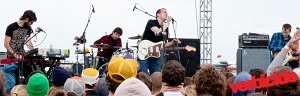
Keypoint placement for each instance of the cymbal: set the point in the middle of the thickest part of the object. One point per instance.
(136, 37)
(103, 46)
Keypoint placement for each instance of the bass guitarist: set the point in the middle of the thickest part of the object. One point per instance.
(156, 31)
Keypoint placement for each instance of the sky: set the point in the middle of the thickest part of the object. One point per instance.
(63, 20)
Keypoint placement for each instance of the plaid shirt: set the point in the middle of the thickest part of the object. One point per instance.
(277, 42)
(107, 53)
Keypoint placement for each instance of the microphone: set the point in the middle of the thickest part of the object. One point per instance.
(38, 29)
(134, 7)
(173, 20)
(93, 10)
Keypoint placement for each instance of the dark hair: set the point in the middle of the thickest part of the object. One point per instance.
(88, 86)
(111, 84)
(228, 91)
(256, 72)
(209, 81)
(118, 30)
(71, 94)
(30, 15)
(287, 26)
(173, 73)
(145, 78)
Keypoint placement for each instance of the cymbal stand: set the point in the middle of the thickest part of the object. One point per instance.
(77, 62)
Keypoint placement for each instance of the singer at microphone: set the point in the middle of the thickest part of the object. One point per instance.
(156, 30)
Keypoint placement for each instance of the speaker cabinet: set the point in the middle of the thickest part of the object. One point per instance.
(248, 59)
(189, 60)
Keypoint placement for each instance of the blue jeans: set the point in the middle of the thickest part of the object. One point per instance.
(153, 64)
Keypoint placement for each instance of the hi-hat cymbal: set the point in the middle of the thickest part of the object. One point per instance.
(136, 37)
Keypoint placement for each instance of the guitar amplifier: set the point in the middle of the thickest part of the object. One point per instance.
(253, 41)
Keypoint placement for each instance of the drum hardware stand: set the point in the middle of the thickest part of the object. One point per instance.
(77, 62)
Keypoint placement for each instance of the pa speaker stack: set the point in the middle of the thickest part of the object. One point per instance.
(253, 52)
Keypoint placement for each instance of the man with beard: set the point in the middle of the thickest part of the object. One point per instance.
(16, 36)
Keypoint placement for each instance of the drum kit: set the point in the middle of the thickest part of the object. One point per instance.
(123, 52)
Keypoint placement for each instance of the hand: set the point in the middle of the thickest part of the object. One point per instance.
(293, 59)
(17, 56)
(176, 41)
(293, 43)
(169, 19)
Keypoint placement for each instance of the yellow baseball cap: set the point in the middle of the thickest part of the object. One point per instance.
(120, 67)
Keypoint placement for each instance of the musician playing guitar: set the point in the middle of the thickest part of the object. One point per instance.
(16, 36)
(156, 31)
(280, 39)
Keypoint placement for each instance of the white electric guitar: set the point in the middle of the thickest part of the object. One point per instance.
(148, 49)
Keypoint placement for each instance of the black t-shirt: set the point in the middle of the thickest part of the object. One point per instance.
(18, 37)
(149, 34)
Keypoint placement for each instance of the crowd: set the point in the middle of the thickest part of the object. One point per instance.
(122, 78)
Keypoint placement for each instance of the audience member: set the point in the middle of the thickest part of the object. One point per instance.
(228, 89)
(256, 72)
(145, 78)
(74, 86)
(173, 74)
(243, 76)
(156, 82)
(288, 89)
(209, 81)
(56, 91)
(90, 77)
(38, 85)
(18, 90)
(132, 87)
(190, 90)
(119, 69)
(59, 76)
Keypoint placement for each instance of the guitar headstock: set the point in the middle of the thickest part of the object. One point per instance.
(190, 48)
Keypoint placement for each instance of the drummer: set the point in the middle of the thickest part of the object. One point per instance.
(112, 40)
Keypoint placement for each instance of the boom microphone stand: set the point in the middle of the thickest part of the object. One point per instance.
(83, 39)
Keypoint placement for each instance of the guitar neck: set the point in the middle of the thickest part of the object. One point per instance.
(173, 48)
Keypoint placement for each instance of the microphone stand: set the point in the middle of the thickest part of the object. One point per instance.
(177, 45)
(84, 41)
(145, 12)
(21, 78)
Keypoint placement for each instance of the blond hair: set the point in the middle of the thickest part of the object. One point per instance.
(56, 91)
(18, 90)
